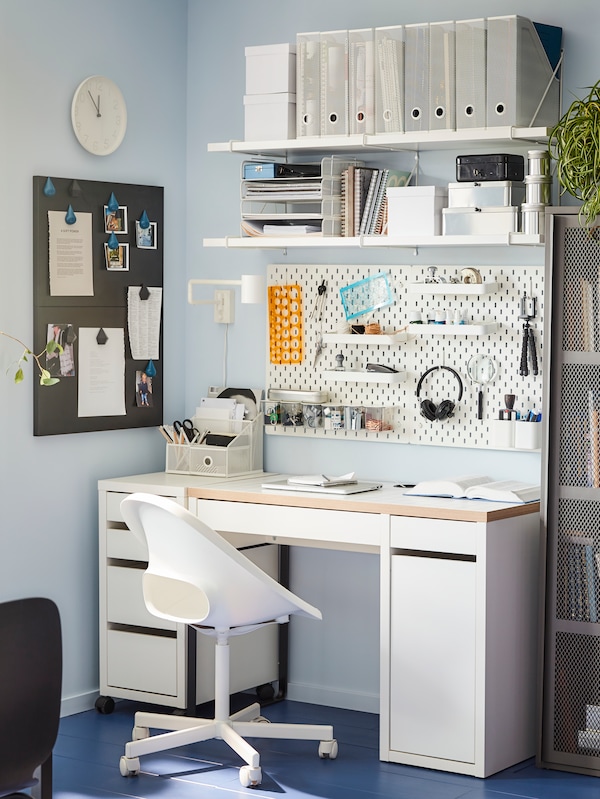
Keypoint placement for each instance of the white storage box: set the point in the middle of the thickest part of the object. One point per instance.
(239, 449)
(269, 116)
(416, 210)
(483, 194)
(271, 69)
(480, 221)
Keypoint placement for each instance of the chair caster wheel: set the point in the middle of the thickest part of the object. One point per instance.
(139, 733)
(105, 704)
(129, 766)
(328, 750)
(250, 777)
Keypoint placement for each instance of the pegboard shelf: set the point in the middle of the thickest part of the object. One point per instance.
(348, 376)
(482, 329)
(400, 242)
(414, 141)
(366, 340)
(453, 288)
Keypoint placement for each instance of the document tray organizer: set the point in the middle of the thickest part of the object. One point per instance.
(243, 455)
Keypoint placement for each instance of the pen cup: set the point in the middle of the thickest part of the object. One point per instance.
(503, 433)
(528, 435)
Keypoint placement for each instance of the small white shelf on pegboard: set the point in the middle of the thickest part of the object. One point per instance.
(365, 377)
(362, 339)
(480, 329)
(453, 288)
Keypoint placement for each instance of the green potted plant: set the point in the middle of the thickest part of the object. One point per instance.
(574, 143)
(46, 378)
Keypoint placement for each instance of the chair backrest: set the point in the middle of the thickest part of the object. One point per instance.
(30, 688)
(195, 576)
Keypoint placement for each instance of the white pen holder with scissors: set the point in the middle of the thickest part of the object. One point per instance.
(222, 448)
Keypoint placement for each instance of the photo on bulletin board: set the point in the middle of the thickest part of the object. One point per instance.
(115, 221)
(145, 238)
(117, 259)
(60, 361)
(143, 390)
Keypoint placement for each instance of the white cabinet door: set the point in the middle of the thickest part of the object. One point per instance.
(432, 648)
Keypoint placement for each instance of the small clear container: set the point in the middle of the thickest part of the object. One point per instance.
(272, 412)
(313, 415)
(354, 417)
(378, 419)
(333, 417)
(291, 414)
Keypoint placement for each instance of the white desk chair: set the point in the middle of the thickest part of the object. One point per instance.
(196, 577)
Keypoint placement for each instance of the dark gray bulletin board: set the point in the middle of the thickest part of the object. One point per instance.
(55, 407)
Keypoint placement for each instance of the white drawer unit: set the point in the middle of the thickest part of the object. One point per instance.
(146, 658)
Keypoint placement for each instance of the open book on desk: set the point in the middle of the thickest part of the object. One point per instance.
(476, 487)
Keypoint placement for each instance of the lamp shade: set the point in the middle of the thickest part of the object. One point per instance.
(253, 289)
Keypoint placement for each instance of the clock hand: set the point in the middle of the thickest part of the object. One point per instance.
(96, 105)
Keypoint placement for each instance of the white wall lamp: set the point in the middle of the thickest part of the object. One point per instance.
(253, 291)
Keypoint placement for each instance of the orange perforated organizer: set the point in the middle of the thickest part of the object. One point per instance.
(285, 324)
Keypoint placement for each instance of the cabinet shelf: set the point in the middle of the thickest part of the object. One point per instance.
(288, 242)
(390, 378)
(367, 340)
(477, 138)
(453, 288)
(480, 329)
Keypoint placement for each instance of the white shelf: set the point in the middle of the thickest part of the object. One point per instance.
(289, 242)
(480, 329)
(476, 138)
(453, 288)
(389, 378)
(364, 339)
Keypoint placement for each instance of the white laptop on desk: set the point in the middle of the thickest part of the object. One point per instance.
(345, 488)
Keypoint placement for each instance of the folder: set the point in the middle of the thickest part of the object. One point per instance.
(442, 76)
(361, 81)
(389, 79)
(308, 84)
(334, 83)
(416, 77)
(520, 73)
(471, 55)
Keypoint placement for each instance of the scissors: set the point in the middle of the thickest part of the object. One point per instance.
(185, 429)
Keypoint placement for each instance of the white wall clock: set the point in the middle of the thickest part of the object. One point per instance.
(99, 115)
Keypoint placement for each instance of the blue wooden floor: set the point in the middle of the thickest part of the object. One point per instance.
(86, 764)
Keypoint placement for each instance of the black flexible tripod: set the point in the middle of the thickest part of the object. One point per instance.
(528, 350)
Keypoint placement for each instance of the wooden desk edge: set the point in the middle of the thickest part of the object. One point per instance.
(349, 504)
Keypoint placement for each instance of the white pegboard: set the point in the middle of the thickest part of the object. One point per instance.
(417, 353)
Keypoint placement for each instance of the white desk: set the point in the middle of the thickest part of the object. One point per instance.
(458, 610)
(458, 606)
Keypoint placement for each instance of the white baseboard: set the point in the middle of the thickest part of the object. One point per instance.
(331, 697)
(78, 704)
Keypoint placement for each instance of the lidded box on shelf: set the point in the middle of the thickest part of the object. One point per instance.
(269, 117)
(490, 221)
(500, 166)
(416, 210)
(271, 69)
(480, 194)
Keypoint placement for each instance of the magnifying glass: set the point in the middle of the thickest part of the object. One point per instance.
(481, 369)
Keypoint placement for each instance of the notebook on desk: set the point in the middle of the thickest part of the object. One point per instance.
(348, 488)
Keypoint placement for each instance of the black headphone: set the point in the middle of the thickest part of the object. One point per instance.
(445, 409)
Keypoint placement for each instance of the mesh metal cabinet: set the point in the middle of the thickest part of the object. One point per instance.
(570, 511)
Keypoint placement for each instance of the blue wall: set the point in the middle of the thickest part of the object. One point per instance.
(181, 67)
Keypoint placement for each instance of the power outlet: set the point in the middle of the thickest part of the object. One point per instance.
(224, 309)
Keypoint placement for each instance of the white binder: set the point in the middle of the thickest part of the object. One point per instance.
(416, 77)
(334, 83)
(361, 81)
(389, 79)
(471, 55)
(442, 76)
(518, 74)
(308, 84)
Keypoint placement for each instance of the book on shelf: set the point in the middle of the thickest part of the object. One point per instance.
(477, 487)
(579, 577)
